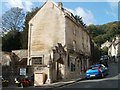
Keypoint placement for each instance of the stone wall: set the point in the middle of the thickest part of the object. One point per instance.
(49, 27)
(46, 31)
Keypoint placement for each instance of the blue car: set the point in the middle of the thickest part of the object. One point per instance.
(96, 71)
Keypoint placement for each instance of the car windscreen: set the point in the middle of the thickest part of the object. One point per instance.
(94, 68)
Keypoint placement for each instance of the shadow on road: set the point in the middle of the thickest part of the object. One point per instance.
(113, 70)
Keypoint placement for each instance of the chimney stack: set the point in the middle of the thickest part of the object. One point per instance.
(60, 5)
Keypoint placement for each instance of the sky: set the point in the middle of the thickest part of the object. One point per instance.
(96, 12)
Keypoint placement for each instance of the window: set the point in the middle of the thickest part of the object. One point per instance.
(68, 61)
(78, 63)
(74, 45)
(37, 60)
(83, 46)
(27, 69)
(74, 31)
(72, 67)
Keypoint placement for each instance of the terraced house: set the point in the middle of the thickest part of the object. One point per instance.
(114, 48)
(58, 45)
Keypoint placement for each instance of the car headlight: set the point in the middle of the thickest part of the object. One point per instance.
(87, 74)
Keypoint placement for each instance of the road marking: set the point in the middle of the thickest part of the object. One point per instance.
(110, 78)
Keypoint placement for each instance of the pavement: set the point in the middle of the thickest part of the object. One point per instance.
(62, 83)
(55, 84)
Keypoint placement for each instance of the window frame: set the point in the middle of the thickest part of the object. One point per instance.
(74, 45)
(37, 60)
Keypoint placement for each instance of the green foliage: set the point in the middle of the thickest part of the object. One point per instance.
(99, 39)
(79, 20)
(11, 41)
(92, 30)
(15, 38)
(12, 23)
(104, 51)
(102, 33)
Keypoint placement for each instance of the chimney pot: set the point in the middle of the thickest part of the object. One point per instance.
(60, 5)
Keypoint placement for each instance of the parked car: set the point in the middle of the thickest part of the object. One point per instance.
(96, 71)
(104, 60)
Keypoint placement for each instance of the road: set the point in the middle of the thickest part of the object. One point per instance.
(110, 81)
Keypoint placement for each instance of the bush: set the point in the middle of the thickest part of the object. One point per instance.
(18, 83)
(5, 83)
(25, 82)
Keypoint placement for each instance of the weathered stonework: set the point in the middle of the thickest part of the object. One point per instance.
(55, 36)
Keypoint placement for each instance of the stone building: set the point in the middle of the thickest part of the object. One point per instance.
(106, 44)
(114, 48)
(12, 63)
(58, 45)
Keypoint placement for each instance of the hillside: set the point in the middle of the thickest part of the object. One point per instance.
(102, 33)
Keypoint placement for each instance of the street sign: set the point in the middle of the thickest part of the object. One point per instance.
(22, 71)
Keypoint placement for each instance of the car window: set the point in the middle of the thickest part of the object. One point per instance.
(90, 68)
(95, 68)
(103, 67)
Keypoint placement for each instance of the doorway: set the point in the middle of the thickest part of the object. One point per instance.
(60, 69)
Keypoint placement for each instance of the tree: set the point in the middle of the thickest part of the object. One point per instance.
(102, 33)
(13, 19)
(99, 40)
(12, 23)
(104, 50)
(11, 41)
(92, 30)
(79, 20)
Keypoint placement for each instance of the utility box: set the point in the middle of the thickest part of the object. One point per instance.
(39, 79)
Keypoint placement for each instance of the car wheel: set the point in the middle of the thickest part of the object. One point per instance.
(102, 75)
(87, 78)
